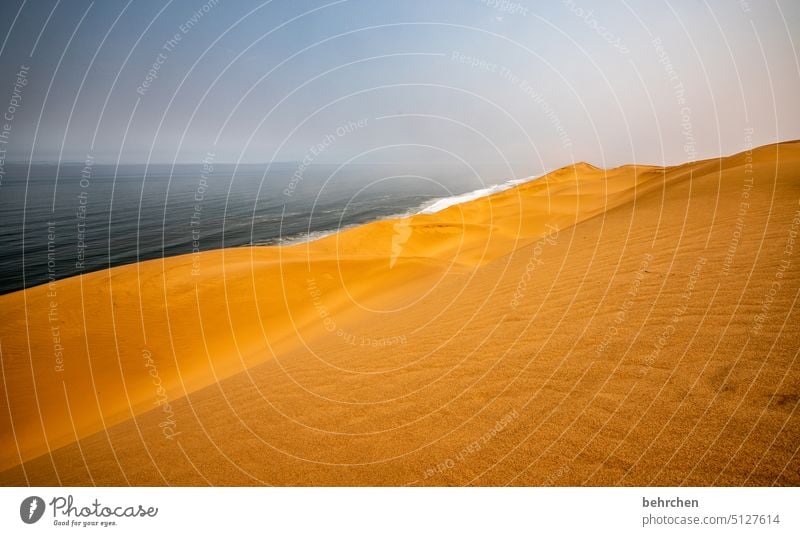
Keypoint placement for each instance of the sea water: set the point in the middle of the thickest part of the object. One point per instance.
(60, 220)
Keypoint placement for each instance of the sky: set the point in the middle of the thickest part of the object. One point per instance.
(523, 85)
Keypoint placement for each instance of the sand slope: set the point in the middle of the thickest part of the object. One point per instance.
(629, 326)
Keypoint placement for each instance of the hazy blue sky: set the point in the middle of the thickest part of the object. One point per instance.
(537, 84)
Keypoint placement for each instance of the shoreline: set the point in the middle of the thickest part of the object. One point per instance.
(508, 184)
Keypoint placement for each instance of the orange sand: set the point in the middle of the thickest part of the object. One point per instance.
(630, 326)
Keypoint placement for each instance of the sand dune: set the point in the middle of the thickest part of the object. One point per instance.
(629, 326)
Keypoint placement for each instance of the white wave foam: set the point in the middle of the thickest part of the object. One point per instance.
(305, 237)
(442, 203)
(429, 207)
(299, 238)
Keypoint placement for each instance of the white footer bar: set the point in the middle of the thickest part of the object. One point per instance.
(400, 511)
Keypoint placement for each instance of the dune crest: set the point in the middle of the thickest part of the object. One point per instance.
(140, 342)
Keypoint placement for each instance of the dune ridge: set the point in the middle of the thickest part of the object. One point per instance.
(374, 355)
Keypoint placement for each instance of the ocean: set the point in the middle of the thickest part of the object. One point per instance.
(62, 220)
